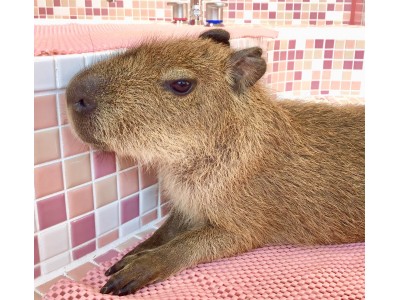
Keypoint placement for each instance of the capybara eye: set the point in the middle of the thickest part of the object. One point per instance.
(181, 86)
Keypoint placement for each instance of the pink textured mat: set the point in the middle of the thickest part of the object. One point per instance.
(275, 272)
(84, 38)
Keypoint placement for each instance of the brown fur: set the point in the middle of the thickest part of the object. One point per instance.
(243, 170)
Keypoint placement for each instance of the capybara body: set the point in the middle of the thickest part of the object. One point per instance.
(242, 169)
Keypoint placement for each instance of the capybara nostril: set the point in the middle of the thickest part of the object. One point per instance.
(84, 105)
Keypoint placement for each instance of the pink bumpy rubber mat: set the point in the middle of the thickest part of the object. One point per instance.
(273, 272)
(86, 38)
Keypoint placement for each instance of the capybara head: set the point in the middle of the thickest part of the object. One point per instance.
(162, 96)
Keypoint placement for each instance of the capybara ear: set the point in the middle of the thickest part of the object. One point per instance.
(246, 67)
(217, 35)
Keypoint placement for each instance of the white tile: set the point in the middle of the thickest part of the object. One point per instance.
(248, 15)
(107, 218)
(88, 59)
(334, 15)
(357, 75)
(306, 75)
(317, 64)
(55, 263)
(44, 74)
(159, 12)
(272, 6)
(130, 227)
(336, 75)
(53, 241)
(66, 67)
(148, 199)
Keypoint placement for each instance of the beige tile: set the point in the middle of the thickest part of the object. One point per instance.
(77, 170)
(63, 109)
(106, 191)
(44, 288)
(78, 273)
(129, 243)
(48, 180)
(80, 200)
(36, 296)
(128, 182)
(47, 146)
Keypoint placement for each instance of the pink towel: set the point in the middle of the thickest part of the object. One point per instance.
(84, 38)
(273, 272)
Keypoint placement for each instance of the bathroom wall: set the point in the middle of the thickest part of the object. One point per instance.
(84, 199)
(273, 12)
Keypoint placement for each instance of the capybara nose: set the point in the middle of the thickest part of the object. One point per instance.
(81, 94)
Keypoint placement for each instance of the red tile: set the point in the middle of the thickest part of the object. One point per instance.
(231, 15)
(96, 11)
(290, 65)
(297, 6)
(51, 211)
(296, 15)
(89, 11)
(57, 3)
(289, 6)
(321, 15)
(104, 164)
(88, 3)
(82, 251)
(276, 56)
(324, 92)
(292, 44)
(232, 6)
(319, 44)
(49, 11)
(272, 15)
(264, 6)
(313, 15)
(83, 230)
(277, 45)
(129, 209)
(331, 6)
(256, 6)
(239, 6)
(291, 55)
(106, 256)
(282, 55)
(297, 75)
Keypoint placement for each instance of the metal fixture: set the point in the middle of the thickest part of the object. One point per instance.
(195, 12)
(214, 13)
(179, 11)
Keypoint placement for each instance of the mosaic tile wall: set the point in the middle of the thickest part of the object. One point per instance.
(84, 199)
(273, 12)
(316, 67)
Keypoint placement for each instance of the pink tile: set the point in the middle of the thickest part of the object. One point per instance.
(63, 109)
(282, 55)
(358, 65)
(51, 211)
(292, 44)
(272, 14)
(82, 251)
(299, 54)
(313, 15)
(331, 6)
(289, 6)
(319, 44)
(328, 54)
(46, 286)
(256, 6)
(296, 15)
(36, 250)
(239, 6)
(289, 86)
(78, 273)
(108, 238)
(128, 182)
(106, 256)
(36, 272)
(264, 6)
(231, 14)
(290, 65)
(347, 65)
(104, 164)
(291, 54)
(129, 209)
(327, 64)
(329, 44)
(149, 217)
(297, 75)
(45, 112)
(277, 45)
(321, 15)
(96, 11)
(48, 180)
(83, 230)
(71, 144)
(276, 55)
(314, 85)
(165, 209)
(359, 54)
(88, 3)
(297, 6)
(80, 201)
(148, 177)
(231, 6)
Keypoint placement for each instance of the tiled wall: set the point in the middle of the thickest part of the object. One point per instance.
(305, 67)
(84, 199)
(273, 12)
